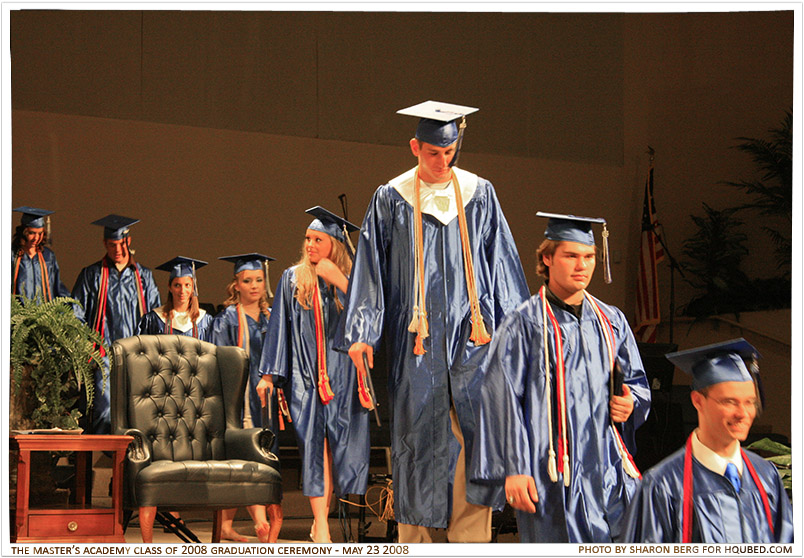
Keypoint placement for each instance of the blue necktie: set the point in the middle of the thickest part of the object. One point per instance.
(732, 474)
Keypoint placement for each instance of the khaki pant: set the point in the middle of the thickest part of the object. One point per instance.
(469, 522)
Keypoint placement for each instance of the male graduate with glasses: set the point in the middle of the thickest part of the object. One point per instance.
(712, 490)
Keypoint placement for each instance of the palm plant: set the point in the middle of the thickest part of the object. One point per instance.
(773, 191)
(713, 256)
(53, 357)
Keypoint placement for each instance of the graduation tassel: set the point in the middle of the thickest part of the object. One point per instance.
(324, 387)
(351, 246)
(283, 407)
(552, 469)
(629, 466)
(267, 279)
(551, 465)
(419, 321)
(362, 392)
(607, 263)
(566, 470)
(479, 334)
(459, 142)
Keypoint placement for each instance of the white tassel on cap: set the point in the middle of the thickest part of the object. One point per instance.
(267, 279)
(606, 259)
(349, 241)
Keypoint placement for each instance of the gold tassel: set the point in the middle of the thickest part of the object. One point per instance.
(414, 321)
(566, 470)
(480, 336)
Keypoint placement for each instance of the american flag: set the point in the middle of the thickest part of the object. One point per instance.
(650, 253)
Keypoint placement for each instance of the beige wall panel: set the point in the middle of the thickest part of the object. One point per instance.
(233, 70)
(76, 62)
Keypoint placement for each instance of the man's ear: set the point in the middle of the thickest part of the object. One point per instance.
(414, 147)
(697, 399)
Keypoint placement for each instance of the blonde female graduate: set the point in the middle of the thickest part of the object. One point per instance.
(243, 323)
(330, 423)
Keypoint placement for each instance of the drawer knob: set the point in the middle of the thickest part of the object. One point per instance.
(72, 526)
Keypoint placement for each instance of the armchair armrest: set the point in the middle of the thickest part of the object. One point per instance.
(251, 444)
(138, 456)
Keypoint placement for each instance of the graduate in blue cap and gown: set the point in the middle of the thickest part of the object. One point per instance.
(556, 427)
(244, 323)
(435, 272)
(180, 315)
(712, 490)
(115, 292)
(34, 269)
(331, 424)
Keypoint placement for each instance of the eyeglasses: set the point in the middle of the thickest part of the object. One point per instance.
(733, 404)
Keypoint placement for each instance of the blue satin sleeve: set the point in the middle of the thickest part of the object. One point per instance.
(502, 445)
(365, 310)
(510, 287)
(275, 359)
(631, 364)
(223, 329)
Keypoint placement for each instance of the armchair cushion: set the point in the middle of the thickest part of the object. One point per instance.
(198, 483)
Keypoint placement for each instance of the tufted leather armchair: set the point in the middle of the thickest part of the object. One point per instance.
(181, 399)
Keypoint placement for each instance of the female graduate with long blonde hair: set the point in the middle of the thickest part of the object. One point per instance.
(321, 384)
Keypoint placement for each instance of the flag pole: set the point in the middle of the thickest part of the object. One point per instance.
(659, 234)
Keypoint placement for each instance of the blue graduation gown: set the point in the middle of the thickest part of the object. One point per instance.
(153, 323)
(121, 319)
(290, 355)
(224, 332)
(420, 388)
(721, 515)
(513, 436)
(29, 275)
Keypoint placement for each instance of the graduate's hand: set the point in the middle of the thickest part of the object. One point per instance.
(265, 388)
(520, 492)
(331, 273)
(622, 406)
(356, 353)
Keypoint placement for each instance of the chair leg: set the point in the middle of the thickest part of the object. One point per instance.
(217, 520)
(147, 515)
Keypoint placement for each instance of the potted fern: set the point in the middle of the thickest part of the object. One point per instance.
(53, 359)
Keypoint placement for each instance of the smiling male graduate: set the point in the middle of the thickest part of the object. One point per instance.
(712, 490)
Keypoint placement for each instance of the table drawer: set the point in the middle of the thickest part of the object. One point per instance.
(70, 524)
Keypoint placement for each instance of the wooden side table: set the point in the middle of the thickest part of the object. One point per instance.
(81, 523)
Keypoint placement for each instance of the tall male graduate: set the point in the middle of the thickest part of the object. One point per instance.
(435, 272)
(564, 391)
(712, 490)
(116, 292)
